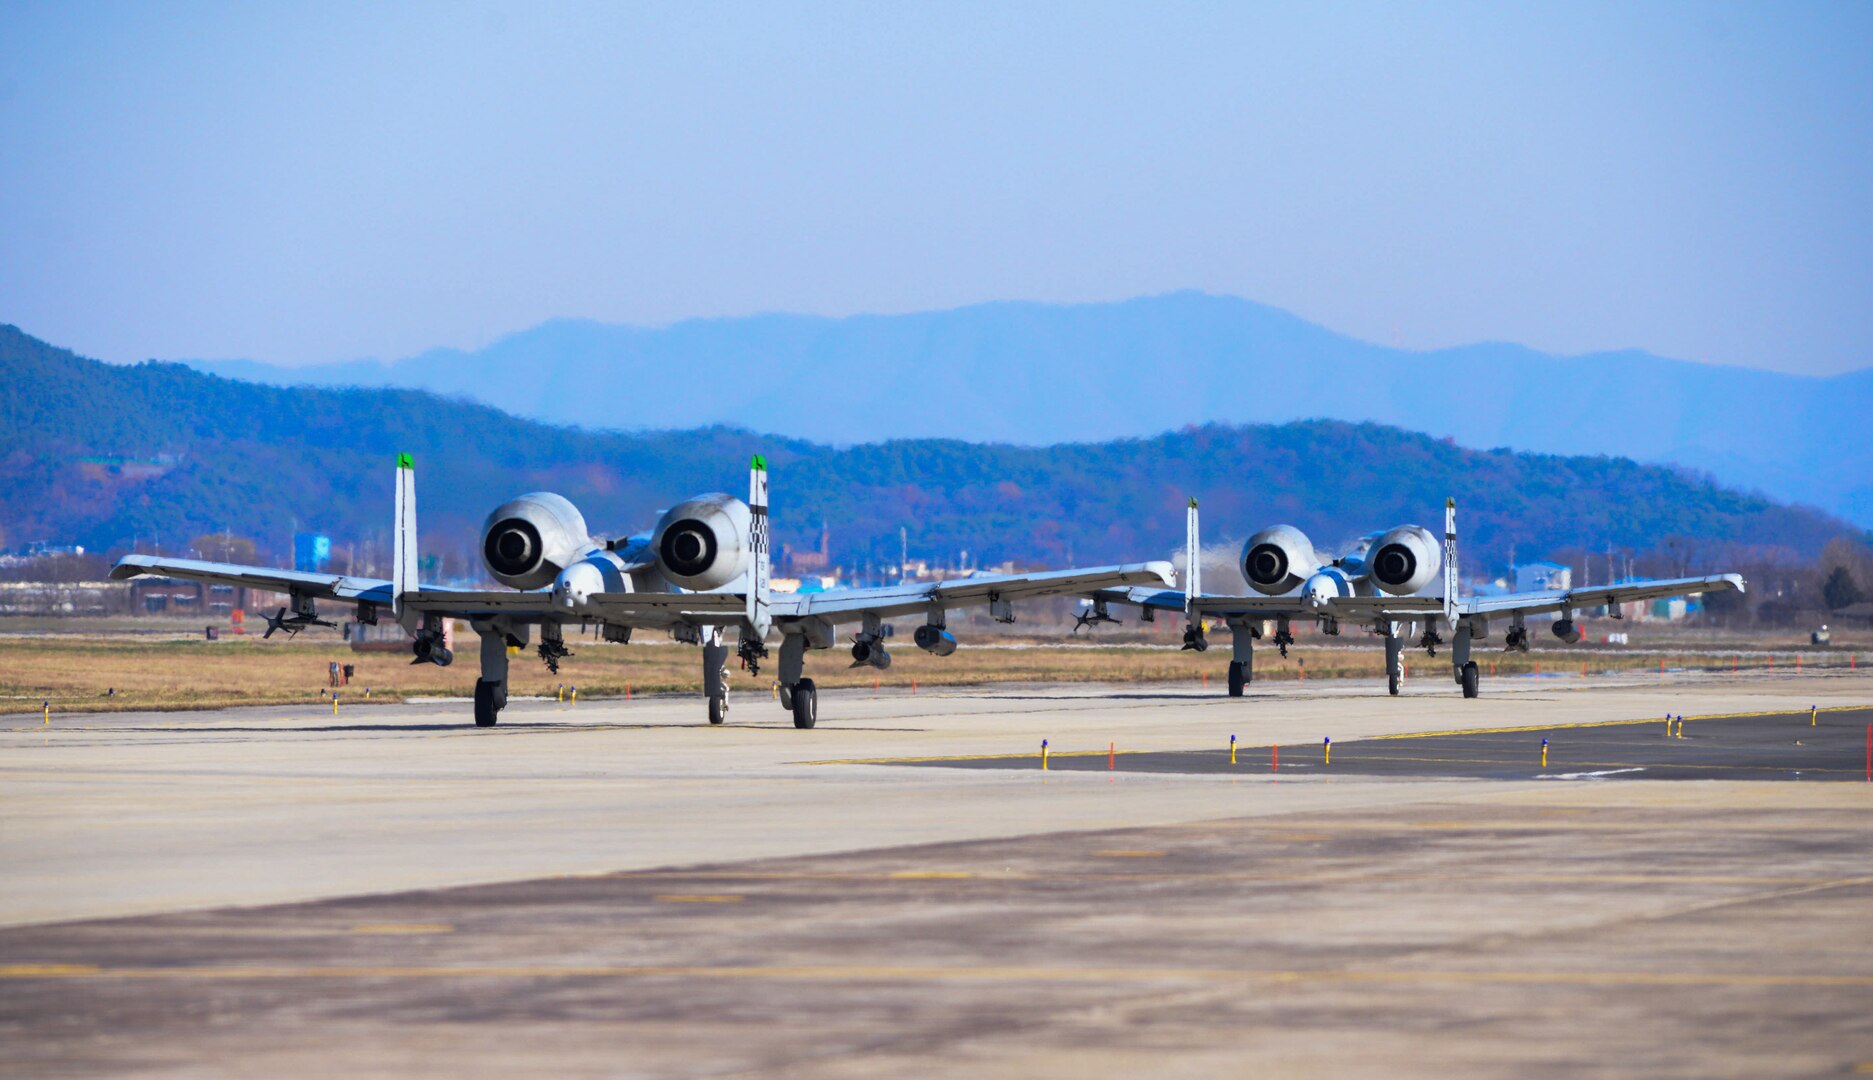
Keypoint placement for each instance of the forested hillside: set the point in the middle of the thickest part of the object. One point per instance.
(1035, 374)
(154, 453)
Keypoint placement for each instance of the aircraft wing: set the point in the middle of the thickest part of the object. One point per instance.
(1208, 604)
(1533, 603)
(651, 608)
(1356, 608)
(916, 598)
(322, 586)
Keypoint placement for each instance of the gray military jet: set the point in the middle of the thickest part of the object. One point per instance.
(1380, 584)
(700, 573)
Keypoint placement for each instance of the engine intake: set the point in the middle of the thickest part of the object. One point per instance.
(1278, 559)
(527, 541)
(1567, 630)
(702, 543)
(1404, 560)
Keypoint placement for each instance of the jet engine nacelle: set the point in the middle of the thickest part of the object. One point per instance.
(1276, 560)
(702, 543)
(1404, 561)
(1567, 630)
(528, 541)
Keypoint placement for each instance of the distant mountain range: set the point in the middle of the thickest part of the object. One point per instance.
(105, 455)
(1039, 374)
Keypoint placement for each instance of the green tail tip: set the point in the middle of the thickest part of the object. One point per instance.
(1193, 502)
(759, 463)
(406, 461)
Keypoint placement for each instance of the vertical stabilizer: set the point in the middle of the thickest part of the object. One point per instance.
(403, 567)
(758, 566)
(1193, 562)
(1450, 561)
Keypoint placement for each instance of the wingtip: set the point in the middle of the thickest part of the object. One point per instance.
(1193, 502)
(127, 567)
(406, 461)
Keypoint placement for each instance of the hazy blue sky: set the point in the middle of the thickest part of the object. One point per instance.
(323, 182)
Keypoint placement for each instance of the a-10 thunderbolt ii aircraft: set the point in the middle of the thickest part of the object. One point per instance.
(702, 572)
(1380, 584)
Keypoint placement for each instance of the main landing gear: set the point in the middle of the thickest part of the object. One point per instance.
(491, 688)
(1462, 667)
(715, 678)
(1394, 660)
(1243, 633)
(798, 695)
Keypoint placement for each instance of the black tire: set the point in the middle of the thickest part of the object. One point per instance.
(786, 697)
(489, 697)
(1472, 680)
(1391, 682)
(718, 710)
(1238, 678)
(805, 704)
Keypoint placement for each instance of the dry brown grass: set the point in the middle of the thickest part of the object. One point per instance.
(76, 674)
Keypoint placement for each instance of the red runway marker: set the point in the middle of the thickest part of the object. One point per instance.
(1274, 761)
(1112, 755)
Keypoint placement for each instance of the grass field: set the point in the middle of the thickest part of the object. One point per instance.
(114, 672)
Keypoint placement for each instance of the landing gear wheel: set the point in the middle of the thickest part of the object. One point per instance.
(1392, 682)
(489, 697)
(718, 709)
(1472, 680)
(1238, 678)
(805, 704)
(786, 697)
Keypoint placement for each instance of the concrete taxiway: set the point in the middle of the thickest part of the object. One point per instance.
(614, 888)
(1807, 745)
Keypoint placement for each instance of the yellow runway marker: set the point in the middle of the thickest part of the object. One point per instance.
(48, 971)
(404, 928)
(699, 898)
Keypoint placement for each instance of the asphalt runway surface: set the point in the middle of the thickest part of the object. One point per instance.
(1803, 745)
(620, 890)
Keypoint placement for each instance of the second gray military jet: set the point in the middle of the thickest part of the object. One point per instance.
(1380, 584)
